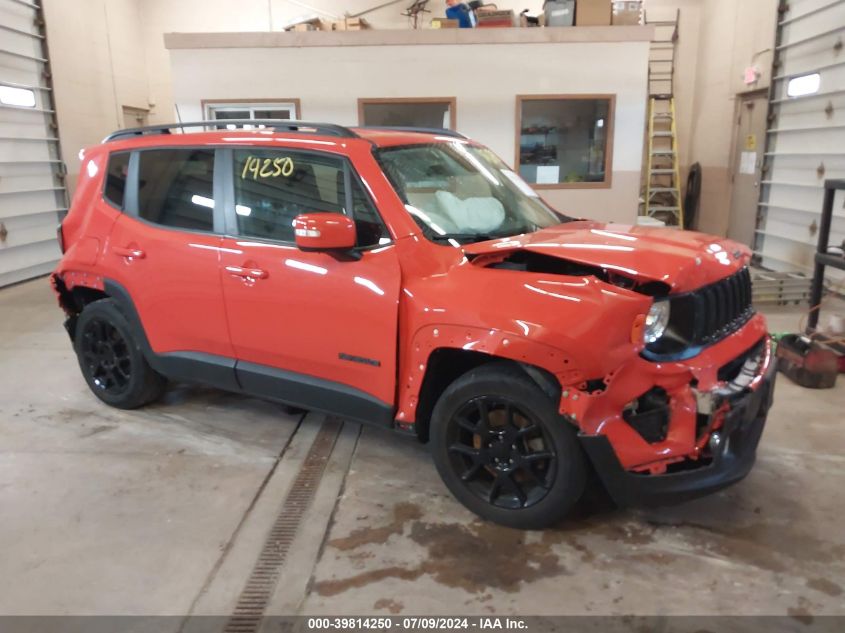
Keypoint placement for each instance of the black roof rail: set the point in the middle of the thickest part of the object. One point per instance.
(282, 125)
(442, 131)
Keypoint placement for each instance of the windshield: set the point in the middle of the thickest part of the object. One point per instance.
(462, 193)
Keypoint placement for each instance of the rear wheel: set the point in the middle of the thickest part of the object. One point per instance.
(111, 359)
(504, 451)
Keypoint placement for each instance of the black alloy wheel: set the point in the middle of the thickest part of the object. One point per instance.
(503, 449)
(111, 357)
(500, 453)
(106, 356)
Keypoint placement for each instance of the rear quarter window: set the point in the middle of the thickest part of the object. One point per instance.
(114, 188)
(176, 188)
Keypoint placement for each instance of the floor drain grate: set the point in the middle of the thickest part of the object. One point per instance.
(253, 600)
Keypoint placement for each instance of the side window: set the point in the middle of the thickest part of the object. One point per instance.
(176, 188)
(369, 228)
(116, 173)
(272, 187)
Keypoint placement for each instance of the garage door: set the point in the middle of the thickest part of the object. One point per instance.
(32, 190)
(806, 136)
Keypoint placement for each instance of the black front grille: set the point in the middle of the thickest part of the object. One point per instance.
(704, 316)
(721, 307)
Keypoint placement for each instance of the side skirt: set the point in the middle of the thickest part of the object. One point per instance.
(316, 394)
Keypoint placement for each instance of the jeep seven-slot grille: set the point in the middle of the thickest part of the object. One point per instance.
(722, 307)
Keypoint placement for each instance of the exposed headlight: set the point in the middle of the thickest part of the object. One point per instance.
(656, 321)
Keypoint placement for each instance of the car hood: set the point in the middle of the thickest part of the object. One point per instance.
(682, 259)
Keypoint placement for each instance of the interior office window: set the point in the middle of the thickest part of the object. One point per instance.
(221, 111)
(434, 112)
(176, 188)
(116, 173)
(565, 141)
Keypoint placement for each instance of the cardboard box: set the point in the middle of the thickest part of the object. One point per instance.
(487, 19)
(443, 23)
(356, 24)
(315, 24)
(592, 13)
(350, 24)
(626, 13)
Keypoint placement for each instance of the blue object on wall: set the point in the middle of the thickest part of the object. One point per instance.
(463, 14)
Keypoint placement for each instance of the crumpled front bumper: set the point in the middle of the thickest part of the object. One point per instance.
(732, 460)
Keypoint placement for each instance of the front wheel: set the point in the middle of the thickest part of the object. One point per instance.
(504, 451)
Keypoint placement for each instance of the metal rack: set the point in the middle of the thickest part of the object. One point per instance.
(823, 258)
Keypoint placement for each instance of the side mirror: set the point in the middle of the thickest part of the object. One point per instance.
(324, 232)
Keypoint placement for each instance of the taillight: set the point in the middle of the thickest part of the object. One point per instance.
(60, 238)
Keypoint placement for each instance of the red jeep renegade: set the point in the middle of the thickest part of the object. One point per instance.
(409, 278)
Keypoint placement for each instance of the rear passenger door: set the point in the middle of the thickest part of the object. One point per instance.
(165, 250)
(313, 328)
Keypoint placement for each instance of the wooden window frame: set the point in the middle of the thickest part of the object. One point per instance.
(607, 183)
(451, 101)
(204, 103)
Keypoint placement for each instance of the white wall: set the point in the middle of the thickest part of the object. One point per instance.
(483, 77)
(109, 53)
(717, 40)
(205, 16)
(99, 65)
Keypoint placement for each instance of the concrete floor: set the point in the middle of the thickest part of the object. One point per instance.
(164, 510)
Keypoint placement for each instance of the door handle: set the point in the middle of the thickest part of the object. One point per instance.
(134, 253)
(254, 273)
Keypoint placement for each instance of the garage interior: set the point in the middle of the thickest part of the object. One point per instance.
(710, 115)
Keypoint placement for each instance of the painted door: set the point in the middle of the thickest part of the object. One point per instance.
(33, 199)
(328, 316)
(165, 251)
(749, 145)
(807, 137)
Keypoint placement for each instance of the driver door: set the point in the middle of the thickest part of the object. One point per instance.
(310, 328)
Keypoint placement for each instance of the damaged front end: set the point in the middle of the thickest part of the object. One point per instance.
(687, 434)
(677, 410)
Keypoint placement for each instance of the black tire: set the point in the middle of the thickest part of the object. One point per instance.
(111, 359)
(523, 467)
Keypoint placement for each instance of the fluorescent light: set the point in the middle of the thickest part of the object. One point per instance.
(202, 201)
(803, 85)
(21, 97)
(600, 123)
(243, 210)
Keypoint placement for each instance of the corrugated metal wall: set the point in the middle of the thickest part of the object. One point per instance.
(806, 136)
(32, 188)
